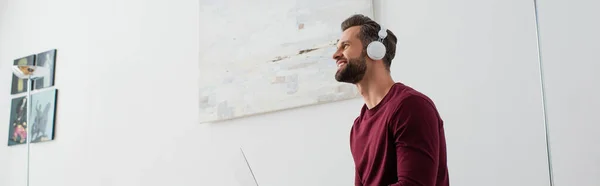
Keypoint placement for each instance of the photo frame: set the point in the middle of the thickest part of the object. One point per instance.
(45, 59)
(19, 85)
(17, 128)
(43, 115)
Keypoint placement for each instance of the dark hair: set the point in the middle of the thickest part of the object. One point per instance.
(368, 33)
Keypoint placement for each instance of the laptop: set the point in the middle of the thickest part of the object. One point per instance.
(244, 174)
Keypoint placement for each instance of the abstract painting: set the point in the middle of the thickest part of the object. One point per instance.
(42, 115)
(275, 55)
(45, 59)
(20, 85)
(17, 131)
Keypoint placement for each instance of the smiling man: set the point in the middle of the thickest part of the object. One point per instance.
(398, 139)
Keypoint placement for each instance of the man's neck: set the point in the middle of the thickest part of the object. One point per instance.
(373, 89)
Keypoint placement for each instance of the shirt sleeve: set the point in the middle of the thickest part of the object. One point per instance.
(415, 131)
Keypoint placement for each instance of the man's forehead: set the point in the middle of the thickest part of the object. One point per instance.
(349, 34)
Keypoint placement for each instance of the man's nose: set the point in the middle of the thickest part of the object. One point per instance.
(337, 55)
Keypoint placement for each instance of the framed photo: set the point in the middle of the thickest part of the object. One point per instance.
(45, 59)
(43, 113)
(17, 129)
(20, 85)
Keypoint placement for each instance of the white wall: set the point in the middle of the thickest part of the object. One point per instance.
(569, 35)
(127, 99)
(119, 124)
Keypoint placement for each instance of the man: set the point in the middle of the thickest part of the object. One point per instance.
(398, 138)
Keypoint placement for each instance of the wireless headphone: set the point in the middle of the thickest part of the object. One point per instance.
(376, 50)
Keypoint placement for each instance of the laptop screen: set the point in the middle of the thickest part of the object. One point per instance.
(243, 171)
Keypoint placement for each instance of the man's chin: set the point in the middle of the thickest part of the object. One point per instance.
(344, 80)
(339, 78)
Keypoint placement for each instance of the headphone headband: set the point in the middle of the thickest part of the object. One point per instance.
(382, 33)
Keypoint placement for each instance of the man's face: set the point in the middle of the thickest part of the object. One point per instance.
(350, 57)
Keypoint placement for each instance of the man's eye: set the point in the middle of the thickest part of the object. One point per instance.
(346, 46)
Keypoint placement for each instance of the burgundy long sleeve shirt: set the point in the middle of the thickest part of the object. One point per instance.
(400, 142)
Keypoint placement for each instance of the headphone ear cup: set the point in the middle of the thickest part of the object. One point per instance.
(376, 50)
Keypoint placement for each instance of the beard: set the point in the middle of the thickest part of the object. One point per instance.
(353, 71)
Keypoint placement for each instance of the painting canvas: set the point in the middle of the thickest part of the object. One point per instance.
(269, 56)
(42, 115)
(19, 85)
(17, 131)
(45, 59)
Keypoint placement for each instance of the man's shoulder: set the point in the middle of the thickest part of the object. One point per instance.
(402, 93)
(406, 96)
(413, 104)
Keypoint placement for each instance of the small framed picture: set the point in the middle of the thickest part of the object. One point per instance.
(17, 126)
(43, 112)
(45, 59)
(20, 85)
